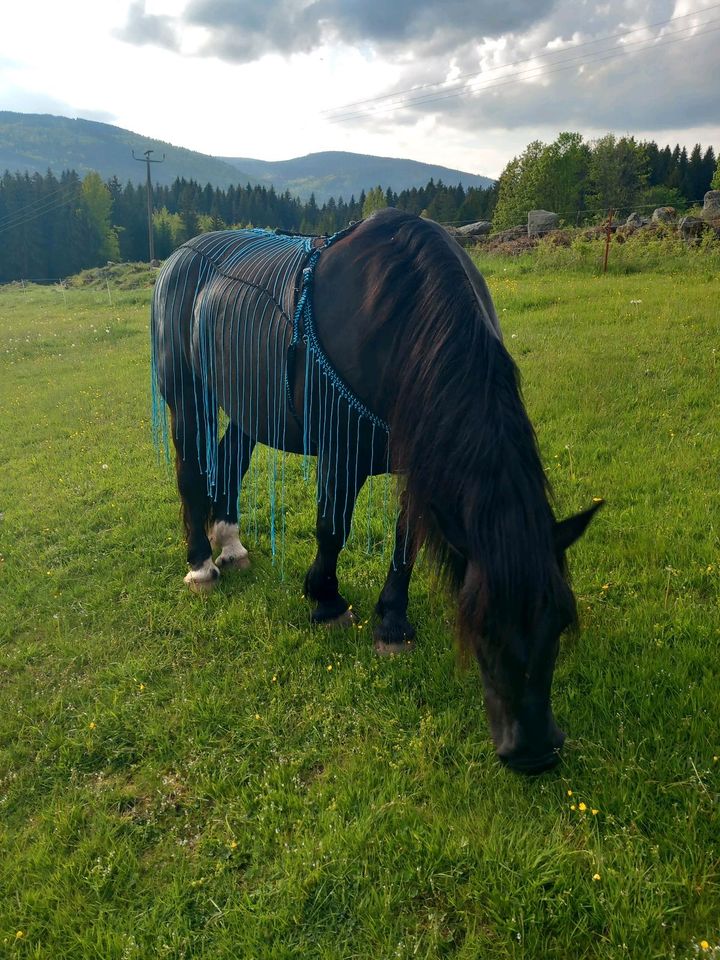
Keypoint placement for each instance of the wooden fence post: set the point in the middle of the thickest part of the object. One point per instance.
(608, 227)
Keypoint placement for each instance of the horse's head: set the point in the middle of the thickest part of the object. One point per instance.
(516, 645)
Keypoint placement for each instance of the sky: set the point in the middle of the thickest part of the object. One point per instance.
(462, 83)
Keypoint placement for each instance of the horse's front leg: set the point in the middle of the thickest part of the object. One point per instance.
(334, 517)
(395, 633)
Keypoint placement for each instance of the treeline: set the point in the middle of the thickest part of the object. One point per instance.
(581, 181)
(53, 227)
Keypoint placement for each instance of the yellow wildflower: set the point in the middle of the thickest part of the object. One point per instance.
(274, 679)
(572, 806)
(20, 934)
(582, 807)
(569, 793)
(606, 586)
(233, 844)
(596, 876)
(257, 716)
(704, 945)
(92, 724)
(594, 812)
(141, 686)
(329, 666)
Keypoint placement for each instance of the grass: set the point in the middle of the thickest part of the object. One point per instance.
(185, 777)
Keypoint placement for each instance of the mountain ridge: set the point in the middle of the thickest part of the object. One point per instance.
(37, 143)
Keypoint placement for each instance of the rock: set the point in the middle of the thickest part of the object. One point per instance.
(479, 229)
(154, 263)
(711, 205)
(636, 221)
(540, 222)
(664, 215)
(691, 229)
(512, 233)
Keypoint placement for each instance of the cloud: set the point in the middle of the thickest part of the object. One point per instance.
(241, 31)
(22, 100)
(568, 76)
(522, 47)
(146, 28)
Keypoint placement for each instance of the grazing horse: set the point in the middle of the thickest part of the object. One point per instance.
(376, 350)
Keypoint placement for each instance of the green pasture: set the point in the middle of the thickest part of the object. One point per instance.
(187, 777)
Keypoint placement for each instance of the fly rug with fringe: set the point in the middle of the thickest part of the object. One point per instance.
(233, 333)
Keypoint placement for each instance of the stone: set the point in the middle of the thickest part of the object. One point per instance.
(636, 221)
(540, 222)
(479, 229)
(664, 215)
(711, 205)
(691, 229)
(512, 233)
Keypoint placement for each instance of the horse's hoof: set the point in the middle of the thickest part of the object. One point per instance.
(233, 561)
(395, 634)
(346, 619)
(337, 614)
(203, 579)
(385, 648)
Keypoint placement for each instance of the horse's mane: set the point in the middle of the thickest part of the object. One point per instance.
(460, 435)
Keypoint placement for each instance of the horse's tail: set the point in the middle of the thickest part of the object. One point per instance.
(176, 382)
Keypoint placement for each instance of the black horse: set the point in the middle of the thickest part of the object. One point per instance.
(386, 357)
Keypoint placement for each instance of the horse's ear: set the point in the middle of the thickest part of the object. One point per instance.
(572, 528)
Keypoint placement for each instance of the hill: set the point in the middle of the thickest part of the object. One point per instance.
(41, 142)
(336, 173)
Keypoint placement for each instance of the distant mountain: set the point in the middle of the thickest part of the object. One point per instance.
(335, 174)
(38, 142)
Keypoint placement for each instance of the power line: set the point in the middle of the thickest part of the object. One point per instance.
(536, 72)
(578, 210)
(20, 212)
(515, 63)
(36, 214)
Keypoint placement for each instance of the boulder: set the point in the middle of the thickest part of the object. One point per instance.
(540, 222)
(691, 229)
(711, 205)
(512, 233)
(664, 215)
(479, 229)
(635, 221)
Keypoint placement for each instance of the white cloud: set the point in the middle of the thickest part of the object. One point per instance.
(245, 78)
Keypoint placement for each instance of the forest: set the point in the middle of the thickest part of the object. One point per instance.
(52, 227)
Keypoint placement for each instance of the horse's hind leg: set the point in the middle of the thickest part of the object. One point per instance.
(234, 454)
(196, 504)
(395, 633)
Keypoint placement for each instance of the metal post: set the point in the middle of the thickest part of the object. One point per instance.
(146, 159)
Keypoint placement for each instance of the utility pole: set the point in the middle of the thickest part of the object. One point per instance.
(146, 159)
